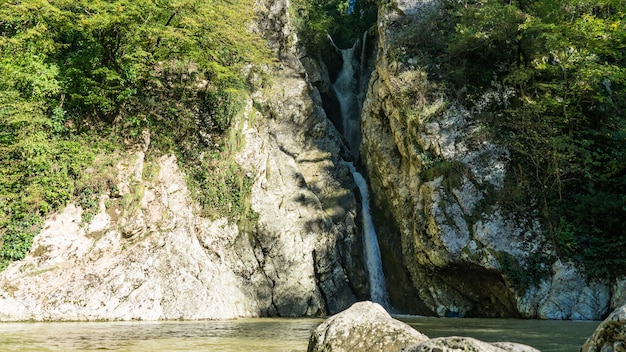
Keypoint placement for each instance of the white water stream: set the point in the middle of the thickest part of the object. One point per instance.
(373, 261)
(349, 89)
(346, 89)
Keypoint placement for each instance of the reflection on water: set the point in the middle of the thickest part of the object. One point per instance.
(232, 336)
(266, 334)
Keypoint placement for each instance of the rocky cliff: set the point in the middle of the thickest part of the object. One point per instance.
(436, 175)
(449, 247)
(148, 254)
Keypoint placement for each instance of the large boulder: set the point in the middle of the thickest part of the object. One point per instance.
(365, 326)
(610, 336)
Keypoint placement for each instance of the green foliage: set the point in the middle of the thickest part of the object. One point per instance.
(524, 275)
(485, 33)
(38, 172)
(117, 55)
(317, 19)
(423, 38)
(563, 118)
(73, 72)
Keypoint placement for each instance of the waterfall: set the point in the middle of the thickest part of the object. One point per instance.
(346, 90)
(350, 89)
(373, 261)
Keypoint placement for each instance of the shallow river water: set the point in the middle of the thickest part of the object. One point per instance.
(265, 334)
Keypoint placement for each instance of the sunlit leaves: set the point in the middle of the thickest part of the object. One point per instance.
(486, 29)
(565, 124)
(71, 69)
(344, 21)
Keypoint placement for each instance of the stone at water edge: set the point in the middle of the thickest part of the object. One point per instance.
(466, 344)
(366, 326)
(610, 336)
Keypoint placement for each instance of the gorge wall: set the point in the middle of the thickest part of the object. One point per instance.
(449, 248)
(434, 172)
(149, 255)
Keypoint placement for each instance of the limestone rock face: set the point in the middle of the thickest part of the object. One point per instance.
(569, 295)
(610, 336)
(435, 175)
(97, 272)
(148, 255)
(365, 326)
(618, 293)
(306, 229)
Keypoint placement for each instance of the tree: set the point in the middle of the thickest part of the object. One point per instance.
(565, 124)
(78, 75)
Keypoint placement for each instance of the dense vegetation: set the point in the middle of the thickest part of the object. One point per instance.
(548, 78)
(343, 20)
(80, 78)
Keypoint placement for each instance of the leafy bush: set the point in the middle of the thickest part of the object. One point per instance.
(318, 19)
(564, 119)
(80, 78)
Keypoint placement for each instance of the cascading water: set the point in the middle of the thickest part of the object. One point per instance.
(346, 89)
(350, 91)
(373, 261)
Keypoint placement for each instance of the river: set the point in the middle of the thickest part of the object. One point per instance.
(265, 334)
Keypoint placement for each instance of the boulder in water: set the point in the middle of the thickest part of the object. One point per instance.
(365, 326)
(610, 336)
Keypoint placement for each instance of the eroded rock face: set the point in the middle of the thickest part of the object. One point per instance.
(153, 257)
(568, 295)
(98, 272)
(365, 326)
(306, 228)
(435, 173)
(610, 336)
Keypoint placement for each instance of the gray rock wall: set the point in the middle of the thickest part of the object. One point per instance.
(158, 259)
(435, 173)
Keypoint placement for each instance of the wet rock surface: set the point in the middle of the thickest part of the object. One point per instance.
(610, 336)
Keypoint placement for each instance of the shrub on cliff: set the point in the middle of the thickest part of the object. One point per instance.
(79, 75)
(549, 78)
(343, 20)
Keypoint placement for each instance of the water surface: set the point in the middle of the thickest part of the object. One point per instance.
(545, 335)
(230, 336)
(273, 335)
